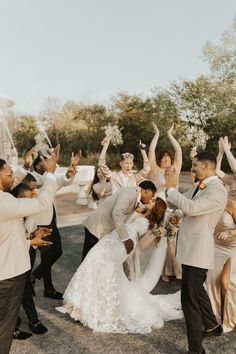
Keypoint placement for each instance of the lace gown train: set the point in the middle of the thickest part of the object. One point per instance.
(102, 298)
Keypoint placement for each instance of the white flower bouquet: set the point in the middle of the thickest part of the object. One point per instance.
(197, 138)
(113, 133)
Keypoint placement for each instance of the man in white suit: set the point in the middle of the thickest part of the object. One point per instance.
(14, 248)
(203, 206)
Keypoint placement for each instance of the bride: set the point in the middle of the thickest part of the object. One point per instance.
(102, 297)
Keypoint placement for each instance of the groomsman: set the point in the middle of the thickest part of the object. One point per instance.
(49, 255)
(203, 206)
(113, 213)
(14, 248)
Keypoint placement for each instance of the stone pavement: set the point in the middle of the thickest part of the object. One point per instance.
(65, 336)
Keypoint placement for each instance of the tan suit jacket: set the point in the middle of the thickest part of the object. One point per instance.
(113, 213)
(195, 244)
(14, 248)
(45, 217)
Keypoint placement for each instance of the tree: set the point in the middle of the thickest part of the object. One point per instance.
(222, 58)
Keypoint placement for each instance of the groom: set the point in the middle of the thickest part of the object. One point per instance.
(203, 206)
(114, 212)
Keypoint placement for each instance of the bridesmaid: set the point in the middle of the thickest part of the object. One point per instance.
(100, 188)
(159, 162)
(221, 281)
(126, 176)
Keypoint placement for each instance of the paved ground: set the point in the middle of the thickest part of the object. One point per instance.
(68, 337)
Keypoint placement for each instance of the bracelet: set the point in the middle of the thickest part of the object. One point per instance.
(229, 235)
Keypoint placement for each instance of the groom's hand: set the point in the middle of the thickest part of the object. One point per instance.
(129, 245)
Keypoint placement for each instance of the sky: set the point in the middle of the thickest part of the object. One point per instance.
(88, 50)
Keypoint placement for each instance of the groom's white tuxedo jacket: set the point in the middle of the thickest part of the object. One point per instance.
(195, 243)
(113, 213)
(14, 248)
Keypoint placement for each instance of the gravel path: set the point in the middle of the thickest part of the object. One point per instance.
(67, 337)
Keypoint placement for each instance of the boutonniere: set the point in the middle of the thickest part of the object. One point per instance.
(202, 185)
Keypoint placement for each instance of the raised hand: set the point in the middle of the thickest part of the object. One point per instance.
(57, 151)
(71, 171)
(29, 158)
(50, 164)
(170, 130)
(227, 144)
(105, 141)
(221, 145)
(154, 126)
(141, 145)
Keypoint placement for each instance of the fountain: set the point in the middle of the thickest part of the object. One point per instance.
(8, 151)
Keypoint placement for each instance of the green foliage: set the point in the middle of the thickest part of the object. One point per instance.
(24, 131)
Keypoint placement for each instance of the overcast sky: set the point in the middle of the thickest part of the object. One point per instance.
(88, 50)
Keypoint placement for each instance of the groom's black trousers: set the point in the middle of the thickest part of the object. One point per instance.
(196, 306)
(89, 241)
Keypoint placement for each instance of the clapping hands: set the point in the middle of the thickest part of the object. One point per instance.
(224, 144)
(38, 235)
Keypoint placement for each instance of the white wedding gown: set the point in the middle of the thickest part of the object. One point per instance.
(101, 297)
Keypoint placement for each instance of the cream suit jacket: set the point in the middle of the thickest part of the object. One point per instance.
(113, 213)
(45, 217)
(195, 243)
(14, 248)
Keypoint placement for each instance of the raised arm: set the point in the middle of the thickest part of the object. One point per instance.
(20, 174)
(143, 174)
(177, 149)
(152, 147)
(68, 178)
(230, 157)
(102, 159)
(225, 178)
(212, 200)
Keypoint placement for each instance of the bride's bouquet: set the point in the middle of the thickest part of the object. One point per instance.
(173, 223)
(113, 133)
(159, 231)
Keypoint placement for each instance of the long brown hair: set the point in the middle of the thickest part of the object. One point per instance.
(157, 213)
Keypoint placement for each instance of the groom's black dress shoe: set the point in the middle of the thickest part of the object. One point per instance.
(53, 294)
(37, 327)
(21, 335)
(213, 333)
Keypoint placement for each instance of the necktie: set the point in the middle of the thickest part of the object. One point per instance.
(195, 191)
